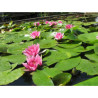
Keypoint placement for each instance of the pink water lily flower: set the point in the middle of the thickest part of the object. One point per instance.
(32, 50)
(96, 37)
(33, 62)
(35, 34)
(46, 22)
(52, 23)
(59, 36)
(60, 22)
(36, 24)
(69, 26)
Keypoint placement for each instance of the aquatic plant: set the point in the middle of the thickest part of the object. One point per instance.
(33, 62)
(52, 54)
(35, 34)
(32, 50)
(59, 36)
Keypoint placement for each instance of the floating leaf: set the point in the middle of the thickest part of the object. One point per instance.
(8, 77)
(46, 35)
(88, 48)
(70, 52)
(92, 57)
(19, 59)
(3, 48)
(96, 48)
(51, 72)
(46, 43)
(89, 82)
(54, 57)
(40, 78)
(68, 64)
(4, 64)
(17, 48)
(89, 37)
(62, 79)
(90, 68)
(69, 45)
(72, 37)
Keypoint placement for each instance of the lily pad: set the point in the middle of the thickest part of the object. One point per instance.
(8, 77)
(40, 78)
(92, 57)
(68, 64)
(96, 48)
(54, 57)
(62, 79)
(4, 65)
(19, 59)
(91, 68)
(89, 38)
(46, 43)
(89, 82)
(51, 72)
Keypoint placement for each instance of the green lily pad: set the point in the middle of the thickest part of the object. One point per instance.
(54, 57)
(7, 77)
(46, 35)
(88, 48)
(92, 57)
(3, 48)
(89, 82)
(68, 64)
(19, 59)
(62, 79)
(70, 52)
(91, 68)
(69, 45)
(51, 72)
(4, 65)
(40, 78)
(89, 38)
(96, 48)
(17, 48)
(46, 43)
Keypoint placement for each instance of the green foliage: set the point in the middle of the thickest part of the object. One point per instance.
(96, 48)
(91, 68)
(62, 79)
(4, 65)
(68, 64)
(70, 45)
(7, 77)
(19, 59)
(93, 57)
(89, 37)
(40, 78)
(55, 56)
(89, 82)
(77, 50)
(46, 43)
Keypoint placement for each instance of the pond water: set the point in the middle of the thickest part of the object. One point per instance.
(26, 79)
